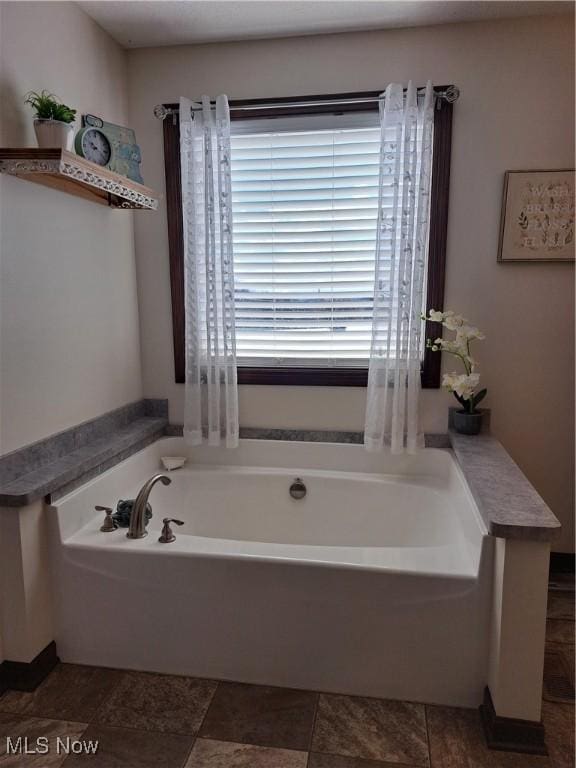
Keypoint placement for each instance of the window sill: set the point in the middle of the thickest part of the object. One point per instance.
(304, 376)
(313, 377)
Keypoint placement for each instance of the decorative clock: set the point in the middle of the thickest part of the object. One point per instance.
(92, 144)
(112, 146)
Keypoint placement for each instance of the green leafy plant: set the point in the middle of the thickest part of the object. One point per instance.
(48, 107)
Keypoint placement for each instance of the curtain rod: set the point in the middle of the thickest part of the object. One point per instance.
(449, 93)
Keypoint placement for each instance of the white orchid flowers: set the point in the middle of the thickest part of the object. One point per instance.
(463, 385)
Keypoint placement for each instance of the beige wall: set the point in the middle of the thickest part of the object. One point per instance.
(69, 335)
(516, 111)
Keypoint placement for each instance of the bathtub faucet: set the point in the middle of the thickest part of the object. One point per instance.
(137, 529)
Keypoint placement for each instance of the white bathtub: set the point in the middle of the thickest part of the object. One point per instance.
(376, 583)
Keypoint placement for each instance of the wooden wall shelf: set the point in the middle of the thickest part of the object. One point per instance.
(73, 174)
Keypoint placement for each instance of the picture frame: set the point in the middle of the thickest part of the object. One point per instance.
(537, 219)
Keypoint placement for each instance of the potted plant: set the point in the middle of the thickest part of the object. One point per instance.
(53, 123)
(467, 419)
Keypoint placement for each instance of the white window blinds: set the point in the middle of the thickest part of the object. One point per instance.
(305, 194)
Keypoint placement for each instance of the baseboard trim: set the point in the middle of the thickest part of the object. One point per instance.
(22, 676)
(511, 734)
(562, 562)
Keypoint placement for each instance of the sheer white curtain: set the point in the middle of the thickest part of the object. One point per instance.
(211, 393)
(392, 408)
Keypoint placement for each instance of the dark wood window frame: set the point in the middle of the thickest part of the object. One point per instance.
(304, 376)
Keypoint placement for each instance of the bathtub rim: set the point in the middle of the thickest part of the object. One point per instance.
(87, 536)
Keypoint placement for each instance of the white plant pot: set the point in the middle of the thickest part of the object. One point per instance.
(54, 133)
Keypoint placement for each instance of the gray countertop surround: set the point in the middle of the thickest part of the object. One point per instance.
(508, 503)
(312, 435)
(76, 454)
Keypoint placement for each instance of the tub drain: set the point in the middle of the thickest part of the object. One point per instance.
(298, 489)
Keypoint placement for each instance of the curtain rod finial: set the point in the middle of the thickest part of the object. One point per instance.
(452, 94)
(160, 111)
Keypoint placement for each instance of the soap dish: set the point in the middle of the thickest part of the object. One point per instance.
(173, 462)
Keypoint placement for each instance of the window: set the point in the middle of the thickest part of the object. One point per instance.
(305, 195)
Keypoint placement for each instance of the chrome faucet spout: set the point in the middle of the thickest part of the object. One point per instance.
(137, 529)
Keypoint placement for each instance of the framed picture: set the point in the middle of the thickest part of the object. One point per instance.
(537, 216)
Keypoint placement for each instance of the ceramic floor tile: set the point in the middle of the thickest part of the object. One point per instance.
(70, 692)
(163, 703)
(559, 723)
(261, 715)
(561, 605)
(354, 726)
(226, 754)
(35, 730)
(457, 741)
(558, 684)
(560, 631)
(566, 650)
(126, 748)
(318, 760)
(561, 582)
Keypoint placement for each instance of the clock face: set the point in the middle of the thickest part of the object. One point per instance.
(96, 147)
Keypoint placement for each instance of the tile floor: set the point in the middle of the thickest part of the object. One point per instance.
(146, 720)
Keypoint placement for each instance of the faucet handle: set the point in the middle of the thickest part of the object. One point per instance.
(108, 525)
(167, 535)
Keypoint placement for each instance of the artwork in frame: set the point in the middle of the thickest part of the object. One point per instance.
(537, 216)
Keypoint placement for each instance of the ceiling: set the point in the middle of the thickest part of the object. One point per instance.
(142, 23)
